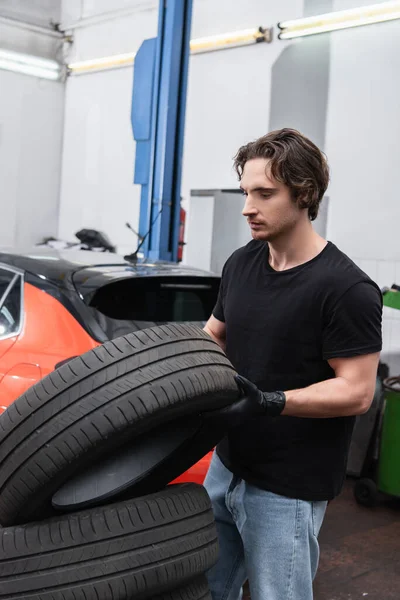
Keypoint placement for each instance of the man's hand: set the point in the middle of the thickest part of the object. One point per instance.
(267, 403)
(251, 403)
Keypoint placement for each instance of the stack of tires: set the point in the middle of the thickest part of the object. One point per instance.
(85, 458)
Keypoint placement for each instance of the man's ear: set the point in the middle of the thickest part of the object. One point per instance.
(304, 199)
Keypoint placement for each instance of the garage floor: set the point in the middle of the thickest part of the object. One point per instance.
(360, 551)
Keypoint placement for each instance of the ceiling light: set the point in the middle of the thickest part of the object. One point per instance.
(204, 44)
(230, 40)
(29, 65)
(365, 15)
(8, 65)
(99, 64)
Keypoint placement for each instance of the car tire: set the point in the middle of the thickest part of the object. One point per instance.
(142, 548)
(148, 463)
(197, 590)
(97, 403)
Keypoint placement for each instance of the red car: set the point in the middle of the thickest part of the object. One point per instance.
(55, 305)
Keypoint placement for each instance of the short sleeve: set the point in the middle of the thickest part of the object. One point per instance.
(218, 311)
(354, 325)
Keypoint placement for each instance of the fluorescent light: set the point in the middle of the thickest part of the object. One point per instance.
(344, 19)
(28, 59)
(8, 65)
(230, 40)
(106, 62)
(204, 44)
(29, 65)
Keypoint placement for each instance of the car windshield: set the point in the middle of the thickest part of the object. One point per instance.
(135, 303)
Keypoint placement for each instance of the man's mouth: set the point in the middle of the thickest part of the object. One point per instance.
(254, 224)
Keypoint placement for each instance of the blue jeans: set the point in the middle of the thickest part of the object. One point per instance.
(268, 539)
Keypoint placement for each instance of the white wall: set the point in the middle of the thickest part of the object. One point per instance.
(104, 27)
(31, 124)
(36, 12)
(97, 188)
(363, 130)
(228, 104)
(229, 90)
(15, 36)
(98, 157)
(362, 140)
(102, 195)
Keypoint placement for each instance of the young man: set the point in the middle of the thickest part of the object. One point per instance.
(301, 324)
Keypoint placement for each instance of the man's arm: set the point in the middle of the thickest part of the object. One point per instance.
(350, 392)
(216, 330)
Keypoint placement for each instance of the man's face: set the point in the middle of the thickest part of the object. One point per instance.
(269, 207)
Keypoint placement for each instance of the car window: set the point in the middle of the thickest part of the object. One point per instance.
(6, 278)
(10, 302)
(135, 303)
(158, 299)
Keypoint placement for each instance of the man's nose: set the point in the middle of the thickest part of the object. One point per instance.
(249, 209)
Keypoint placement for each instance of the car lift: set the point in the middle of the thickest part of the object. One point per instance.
(158, 119)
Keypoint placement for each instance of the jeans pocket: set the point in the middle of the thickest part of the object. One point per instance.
(318, 512)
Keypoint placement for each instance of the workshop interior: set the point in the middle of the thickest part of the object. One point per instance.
(119, 123)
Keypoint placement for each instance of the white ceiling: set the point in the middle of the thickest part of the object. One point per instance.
(74, 11)
(36, 12)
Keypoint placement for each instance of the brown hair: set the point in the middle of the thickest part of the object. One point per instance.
(293, 160)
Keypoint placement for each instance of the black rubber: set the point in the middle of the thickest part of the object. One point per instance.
(366, 492)
(145, 465)
(198, 590)
(100, 401)
(138, 549)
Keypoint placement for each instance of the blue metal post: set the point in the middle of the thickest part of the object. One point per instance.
(158, 117)
(143, 125)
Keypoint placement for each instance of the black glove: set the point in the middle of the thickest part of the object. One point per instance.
(252, 403)
(258, 402)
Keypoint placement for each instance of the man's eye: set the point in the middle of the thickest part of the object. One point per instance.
(265, 195)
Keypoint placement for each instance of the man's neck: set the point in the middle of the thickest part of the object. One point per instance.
(300, 246)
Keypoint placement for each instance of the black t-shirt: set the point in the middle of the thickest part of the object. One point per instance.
(281, 329)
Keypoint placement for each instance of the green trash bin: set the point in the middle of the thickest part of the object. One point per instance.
(383, 472)
(389, 456)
